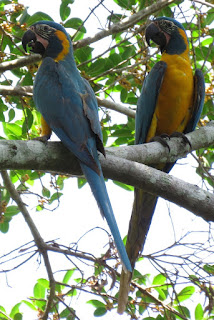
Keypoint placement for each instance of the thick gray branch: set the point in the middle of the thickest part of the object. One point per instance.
(121, 164)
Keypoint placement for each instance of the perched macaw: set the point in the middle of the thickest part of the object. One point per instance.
(69, 108)
(171, 101)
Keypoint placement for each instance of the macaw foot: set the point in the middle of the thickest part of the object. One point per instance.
(162, 140)
(43, 138)
(182, 136)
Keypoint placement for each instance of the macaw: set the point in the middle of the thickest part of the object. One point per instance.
(69, 108)
(170, 102)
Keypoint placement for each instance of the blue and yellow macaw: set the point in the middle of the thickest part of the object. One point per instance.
(171, 101)
(69, 108)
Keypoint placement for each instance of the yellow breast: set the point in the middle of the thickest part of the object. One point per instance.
(175, 98)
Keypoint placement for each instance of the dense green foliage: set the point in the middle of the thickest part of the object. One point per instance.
(116, 72)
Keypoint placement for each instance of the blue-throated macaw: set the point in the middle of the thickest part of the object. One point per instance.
(69, 108)
(171, 101)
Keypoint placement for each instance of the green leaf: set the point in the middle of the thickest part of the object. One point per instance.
(60, 182)
(46, 192)
(99, 312)
(38, 16)
(2, 309)
(39, 291)
(115, 18)
(199, 312)
(83, 54)
(65, 10)
(12, 211)
(15, 310)
(139, 278)
(75, 23)
(162, 293)
(66, 313)
(18, 316)
(127, 4)
(124, 186)
(55, 196)
(27, 80)
(96, 303)
(207, 42)
(28, 121)
(29, 304)
(209, 268)
(159, 279)
(183, 310)
(24, 17)
(97, 67)
(44, 283)
(41, 304)
(81, 182)
(12, 130)
(185, 294)
(11, 114)
(68, 275)
(210, 17)
(4, 227)
(2, 118)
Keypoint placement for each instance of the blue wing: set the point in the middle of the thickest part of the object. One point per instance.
(68, 104)
(70, 110)
(198, 100)
(147, 101)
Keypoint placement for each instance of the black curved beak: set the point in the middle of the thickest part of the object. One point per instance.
(29, 39)
(154, 33)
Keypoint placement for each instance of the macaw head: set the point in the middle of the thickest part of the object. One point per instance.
(47, 38)
(169, 34)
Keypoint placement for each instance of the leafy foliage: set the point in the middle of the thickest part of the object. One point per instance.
(117, 70)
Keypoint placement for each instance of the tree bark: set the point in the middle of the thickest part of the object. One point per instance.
(124, 164)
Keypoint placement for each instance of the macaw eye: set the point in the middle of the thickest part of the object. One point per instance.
(42, 27)
(167, 26)
(44, 30)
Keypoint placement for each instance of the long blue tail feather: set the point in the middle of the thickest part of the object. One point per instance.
(99, 191)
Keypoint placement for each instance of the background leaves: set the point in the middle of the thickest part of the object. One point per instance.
(116, 69)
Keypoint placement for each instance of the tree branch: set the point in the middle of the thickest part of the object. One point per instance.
(115, 28)
(41, 245)
(20, 62)
(205, 3)
(125, 24)
(119, 107)
(158, 301)
(124, 165)
(27, 91)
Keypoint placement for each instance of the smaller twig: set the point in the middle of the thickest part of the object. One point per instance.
(159, 302)
(205, 3)
(37, 238)
(28, 91)
(119, 107)
(20, 62)
(5, 315)
(71, 310)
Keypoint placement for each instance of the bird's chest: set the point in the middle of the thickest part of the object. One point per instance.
(175, 97)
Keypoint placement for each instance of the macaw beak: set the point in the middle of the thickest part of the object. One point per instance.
(154, 33)
(29, 39)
